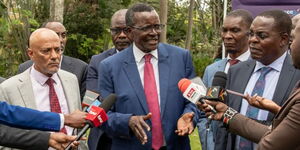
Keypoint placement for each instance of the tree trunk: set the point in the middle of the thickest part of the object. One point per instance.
(57, 10)
(163, 14)
(190, 26)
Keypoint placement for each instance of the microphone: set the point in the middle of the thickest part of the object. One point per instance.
(96, 116)
(193, 92)
(219, 82)
(88, 99)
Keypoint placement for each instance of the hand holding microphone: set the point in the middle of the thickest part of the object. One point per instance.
(96, 116)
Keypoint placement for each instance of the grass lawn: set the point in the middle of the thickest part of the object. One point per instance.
(194, 140)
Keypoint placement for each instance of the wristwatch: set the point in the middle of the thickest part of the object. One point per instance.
(228, 115)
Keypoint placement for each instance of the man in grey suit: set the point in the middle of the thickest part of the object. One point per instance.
(70, 64)
(32, 139)
(235, 37)
(268, 42)
(98, 140)
(44, 86)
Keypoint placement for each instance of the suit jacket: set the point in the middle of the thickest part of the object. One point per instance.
(284, 132)
(119, 74)
(1, 79)
(70, 64)
(23, 139)
(18, 90)
(211, 69)
(92, 73)
(238, 77)
(94, 141)
(21, 117)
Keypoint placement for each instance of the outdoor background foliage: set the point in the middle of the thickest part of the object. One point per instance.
(88, 22)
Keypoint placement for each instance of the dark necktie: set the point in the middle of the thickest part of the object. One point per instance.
(233, 61)
(54, 103)
(252, 112)
(152, 101)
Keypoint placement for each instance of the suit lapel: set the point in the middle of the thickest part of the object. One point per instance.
(130, 68)
(284, 80)
(26, 90)
(243, 75)
(66, 84)
(222, 65)
(66, 64)
(164, 70)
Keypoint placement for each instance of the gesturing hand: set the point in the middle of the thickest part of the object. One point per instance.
(185, 124)
(263, 103)
(138, 126)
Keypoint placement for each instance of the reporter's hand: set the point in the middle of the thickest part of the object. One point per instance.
(138, 125)
(76, 119)
(59, 140)
(263, 103)
(219, 107)
(185, 124)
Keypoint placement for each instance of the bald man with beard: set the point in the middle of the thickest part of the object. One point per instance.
(44, 86)
(70, 64)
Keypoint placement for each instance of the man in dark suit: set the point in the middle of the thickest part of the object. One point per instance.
(268, 42)
(70, 64)
(32, 139)
(98, 140)
(150, 111)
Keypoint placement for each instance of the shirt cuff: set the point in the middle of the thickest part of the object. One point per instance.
(62, 120)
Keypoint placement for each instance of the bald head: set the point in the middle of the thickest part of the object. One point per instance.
(41, 35)
(118, 16)
(295, 19)
(45, 51)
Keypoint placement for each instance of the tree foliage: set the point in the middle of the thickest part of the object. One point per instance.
(88, 22)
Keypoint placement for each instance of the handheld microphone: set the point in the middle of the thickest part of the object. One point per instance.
(219, 82)
(96, 116)
(193, 92)
(88, 99)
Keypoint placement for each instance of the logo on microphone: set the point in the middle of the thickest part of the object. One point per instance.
(191, 93)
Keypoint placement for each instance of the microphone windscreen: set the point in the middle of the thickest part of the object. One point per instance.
(108, 102)
(183, 84)
(220, 79)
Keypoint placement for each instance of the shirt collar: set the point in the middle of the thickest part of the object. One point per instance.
(41, 78)
(243, 57)
(276, 65)
(139, 54)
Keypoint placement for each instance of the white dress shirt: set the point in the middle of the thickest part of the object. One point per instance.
(140, 62)
(245, 56)
(41, 94)
(271, 82)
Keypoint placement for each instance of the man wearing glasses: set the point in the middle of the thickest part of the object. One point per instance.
(70, 64)
(150, 112)
(98, 140)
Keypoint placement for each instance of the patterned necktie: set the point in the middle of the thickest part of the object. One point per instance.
(54, 103)
(233, 61)
(252, 112)
(152, 101)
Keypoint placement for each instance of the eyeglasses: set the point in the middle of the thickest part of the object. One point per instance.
(117, 31)
(62, 34)
(149, 28)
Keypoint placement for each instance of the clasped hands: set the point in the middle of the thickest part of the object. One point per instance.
(139, 127)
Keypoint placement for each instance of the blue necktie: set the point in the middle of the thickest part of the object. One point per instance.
(252, 112)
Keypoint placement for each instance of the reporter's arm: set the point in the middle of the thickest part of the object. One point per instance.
(23, 139)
